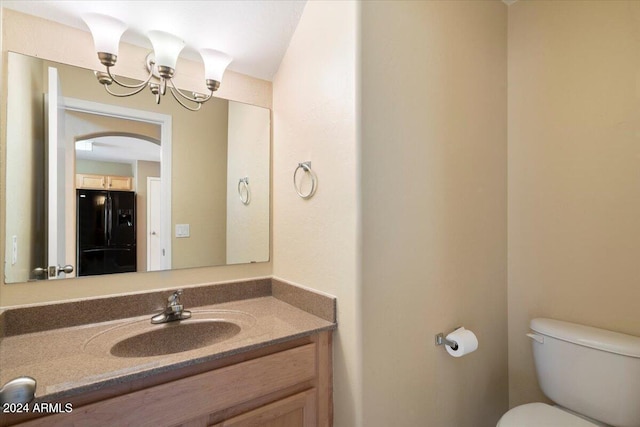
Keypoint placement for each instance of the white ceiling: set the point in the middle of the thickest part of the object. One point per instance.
(255, 33)
(120, 149)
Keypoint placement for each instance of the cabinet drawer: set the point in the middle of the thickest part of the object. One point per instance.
(294, 411)
(181, 400)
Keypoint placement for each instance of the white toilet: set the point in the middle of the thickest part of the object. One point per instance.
(592, 375)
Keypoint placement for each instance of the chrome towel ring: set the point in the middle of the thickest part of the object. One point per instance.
(306, 167)
(244, 191)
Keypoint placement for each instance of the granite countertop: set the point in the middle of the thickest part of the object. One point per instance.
(72, 360)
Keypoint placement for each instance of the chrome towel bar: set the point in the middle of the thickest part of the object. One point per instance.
(306, 167)
(244, 191)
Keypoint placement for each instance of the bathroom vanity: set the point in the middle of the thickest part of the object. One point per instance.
(269, 363)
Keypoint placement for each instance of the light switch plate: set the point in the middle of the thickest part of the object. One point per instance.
(182, 230)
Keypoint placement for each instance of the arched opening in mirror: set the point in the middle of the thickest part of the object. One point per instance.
(122, 163)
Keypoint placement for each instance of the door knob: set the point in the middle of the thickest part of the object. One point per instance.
(52, 271)
(55, 270)
(40, 271)
(66, 269)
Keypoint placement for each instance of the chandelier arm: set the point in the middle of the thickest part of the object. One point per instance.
(122, 95)
(119, 83)
(182, 103)
(187, 97)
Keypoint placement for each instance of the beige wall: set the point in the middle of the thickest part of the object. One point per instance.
(315, 241)
(434, 204)
(103, 168)
(433, 188)
(33, 36)
(199, 185)
(574, 157)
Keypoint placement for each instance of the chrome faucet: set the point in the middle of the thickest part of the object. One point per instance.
(173, 311)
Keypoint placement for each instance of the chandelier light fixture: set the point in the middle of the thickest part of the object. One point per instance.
(161, 63)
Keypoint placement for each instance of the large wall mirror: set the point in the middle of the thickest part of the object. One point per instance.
(106, 185)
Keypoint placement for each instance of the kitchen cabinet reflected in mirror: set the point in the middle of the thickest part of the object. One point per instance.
(76, 154)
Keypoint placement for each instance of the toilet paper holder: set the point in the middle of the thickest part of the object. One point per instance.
(441, 340)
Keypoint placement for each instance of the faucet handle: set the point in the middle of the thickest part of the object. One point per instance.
(175, 297)
(173, 311)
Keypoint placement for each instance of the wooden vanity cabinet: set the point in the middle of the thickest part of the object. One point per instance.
(104, 182)
(283, 385)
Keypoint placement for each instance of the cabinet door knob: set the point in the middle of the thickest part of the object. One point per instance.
(18, 390)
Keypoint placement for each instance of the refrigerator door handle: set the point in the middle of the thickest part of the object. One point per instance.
(105, 224)
(109, 219)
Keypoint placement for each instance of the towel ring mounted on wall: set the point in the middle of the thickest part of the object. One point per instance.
(306, 167)
(245, 196)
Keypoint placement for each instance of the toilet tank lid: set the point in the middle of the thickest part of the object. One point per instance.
(587, 336)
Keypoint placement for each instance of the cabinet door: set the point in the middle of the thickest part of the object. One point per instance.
(298, 410)
(123, 183)
(84, 180)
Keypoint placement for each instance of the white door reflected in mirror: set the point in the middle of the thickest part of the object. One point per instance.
(56, 185)
(154, 247)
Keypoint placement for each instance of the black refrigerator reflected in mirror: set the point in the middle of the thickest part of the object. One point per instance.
(106, 232)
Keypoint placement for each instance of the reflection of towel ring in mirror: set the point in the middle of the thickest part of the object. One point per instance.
(305, 166)
(245, 196)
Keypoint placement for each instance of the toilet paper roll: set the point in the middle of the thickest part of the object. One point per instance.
(466, 340)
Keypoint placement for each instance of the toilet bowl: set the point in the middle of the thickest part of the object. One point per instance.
(592, 374)
(543, 415)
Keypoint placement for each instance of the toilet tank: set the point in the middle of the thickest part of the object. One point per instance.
(591, 371)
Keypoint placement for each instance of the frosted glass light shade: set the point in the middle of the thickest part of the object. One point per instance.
(166, 48)
(106, 32)
(215, 63)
